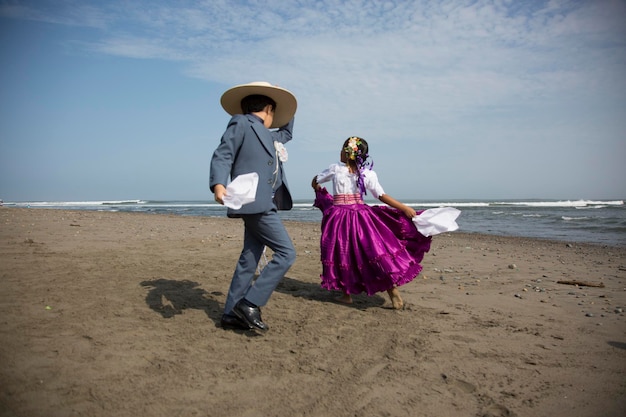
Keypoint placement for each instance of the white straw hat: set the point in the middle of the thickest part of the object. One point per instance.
(286, 103)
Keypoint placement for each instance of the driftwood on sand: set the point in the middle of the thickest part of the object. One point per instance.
(581, 283)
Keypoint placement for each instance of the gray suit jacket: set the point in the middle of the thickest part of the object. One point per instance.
(248, 146)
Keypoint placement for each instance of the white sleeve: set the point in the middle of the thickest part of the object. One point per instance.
(372, 184)
(327, 174)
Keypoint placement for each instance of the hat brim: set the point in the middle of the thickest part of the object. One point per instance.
(286, 103)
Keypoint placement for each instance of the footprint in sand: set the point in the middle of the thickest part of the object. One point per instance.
(497, 410)
(493, 410)
(465, 386)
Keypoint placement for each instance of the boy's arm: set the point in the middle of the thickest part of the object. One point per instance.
(224, 154)
(283, 135)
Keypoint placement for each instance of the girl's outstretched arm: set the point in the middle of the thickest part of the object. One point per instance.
(390, 201)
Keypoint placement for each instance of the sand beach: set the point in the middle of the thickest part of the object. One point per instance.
(117, 314)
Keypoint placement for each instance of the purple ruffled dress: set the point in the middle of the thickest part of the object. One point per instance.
(367, 248)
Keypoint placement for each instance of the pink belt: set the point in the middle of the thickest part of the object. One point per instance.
(345, 199)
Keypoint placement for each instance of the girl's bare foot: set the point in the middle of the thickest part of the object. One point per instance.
(344, 298)
(396, 300)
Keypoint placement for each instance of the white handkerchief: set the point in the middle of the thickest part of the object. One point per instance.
(241, 190)
(437, 220)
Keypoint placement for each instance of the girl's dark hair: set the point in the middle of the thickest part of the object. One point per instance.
(255, 103)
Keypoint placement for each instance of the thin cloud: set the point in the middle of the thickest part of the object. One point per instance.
(488, 73)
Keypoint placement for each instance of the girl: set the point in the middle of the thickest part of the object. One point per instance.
(365, 248)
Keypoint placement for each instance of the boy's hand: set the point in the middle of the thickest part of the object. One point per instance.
(220, 191)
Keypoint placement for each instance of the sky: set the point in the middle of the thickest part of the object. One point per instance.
(458, 99)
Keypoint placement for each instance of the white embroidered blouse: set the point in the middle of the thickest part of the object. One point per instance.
(345, 183)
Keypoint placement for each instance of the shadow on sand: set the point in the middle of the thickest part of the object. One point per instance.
(170, 297)
(314, 292)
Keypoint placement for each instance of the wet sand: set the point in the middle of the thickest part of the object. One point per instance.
(118, 314)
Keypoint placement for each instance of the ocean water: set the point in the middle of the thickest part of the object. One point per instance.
(585, 221)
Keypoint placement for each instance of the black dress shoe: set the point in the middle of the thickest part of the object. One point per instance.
(229, 321)
(250, 313)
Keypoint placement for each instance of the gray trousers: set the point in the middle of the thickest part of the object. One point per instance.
(261, 230)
